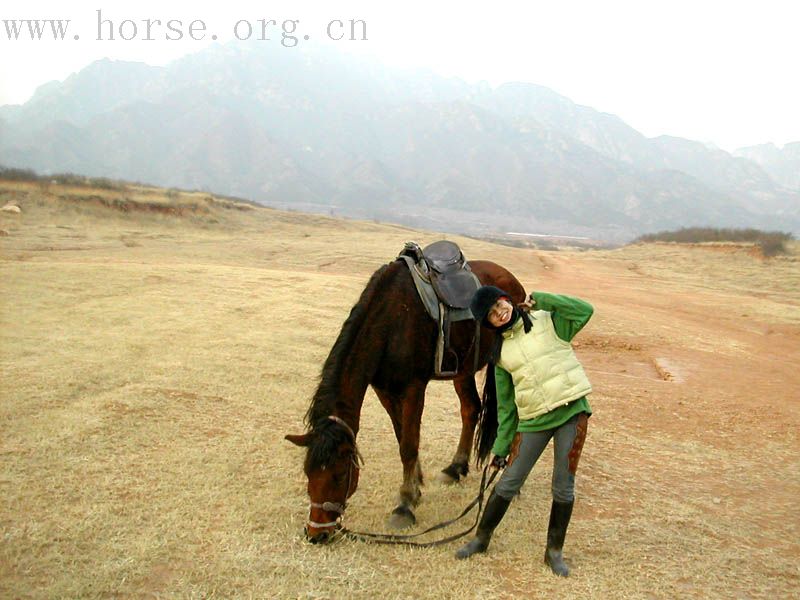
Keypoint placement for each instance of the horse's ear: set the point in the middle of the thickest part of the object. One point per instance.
(298, 440)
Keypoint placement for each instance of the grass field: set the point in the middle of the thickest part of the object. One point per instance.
(152, 359)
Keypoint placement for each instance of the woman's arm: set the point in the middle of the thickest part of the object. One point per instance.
(569, 314)
(507, 418)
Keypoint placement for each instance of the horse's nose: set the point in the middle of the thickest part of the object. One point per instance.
(319, 538)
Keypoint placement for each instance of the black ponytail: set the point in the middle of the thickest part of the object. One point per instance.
(486, 430)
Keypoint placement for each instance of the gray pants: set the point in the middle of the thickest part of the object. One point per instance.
(531, 447)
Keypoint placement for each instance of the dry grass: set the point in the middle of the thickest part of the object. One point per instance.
(151, 364)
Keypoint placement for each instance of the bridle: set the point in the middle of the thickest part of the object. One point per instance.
(356, 460)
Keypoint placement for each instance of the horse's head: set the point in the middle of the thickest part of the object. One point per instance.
(332, 466)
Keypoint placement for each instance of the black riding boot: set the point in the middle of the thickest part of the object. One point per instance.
(496, 507)
(560, 514)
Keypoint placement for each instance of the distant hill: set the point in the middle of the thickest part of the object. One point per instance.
(782, 164)
(324, 131)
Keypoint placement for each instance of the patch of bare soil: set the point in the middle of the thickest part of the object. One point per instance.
(697, 401)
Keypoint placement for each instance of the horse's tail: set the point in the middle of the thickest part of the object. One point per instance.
(486, 431)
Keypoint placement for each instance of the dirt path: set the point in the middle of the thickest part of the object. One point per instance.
(696, 399)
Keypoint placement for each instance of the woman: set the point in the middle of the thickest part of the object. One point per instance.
(541, 394)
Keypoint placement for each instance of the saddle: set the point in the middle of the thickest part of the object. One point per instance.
(445, 285)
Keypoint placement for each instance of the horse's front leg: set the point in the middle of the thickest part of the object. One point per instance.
(407, 418)
(470, 409)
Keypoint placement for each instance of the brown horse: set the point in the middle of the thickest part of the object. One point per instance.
(388, 342)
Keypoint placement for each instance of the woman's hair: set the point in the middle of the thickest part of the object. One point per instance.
(486, 431)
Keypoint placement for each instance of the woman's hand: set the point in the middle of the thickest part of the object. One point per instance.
(529, 303)
(499, 462)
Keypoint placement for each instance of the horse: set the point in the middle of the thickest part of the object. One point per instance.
(388, 341)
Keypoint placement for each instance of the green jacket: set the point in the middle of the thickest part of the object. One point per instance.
(568, 315)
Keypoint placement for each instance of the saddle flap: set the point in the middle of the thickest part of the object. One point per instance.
(456, 289)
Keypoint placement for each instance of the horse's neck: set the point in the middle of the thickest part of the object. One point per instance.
(345, 389)
(356, 355)
(350, 400)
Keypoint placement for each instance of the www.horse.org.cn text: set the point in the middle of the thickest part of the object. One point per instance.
(108, 28)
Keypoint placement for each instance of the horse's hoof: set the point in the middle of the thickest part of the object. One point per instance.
(446, 478)
(452, 473)
(402, 518)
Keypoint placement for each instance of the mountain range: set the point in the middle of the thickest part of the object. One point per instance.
(318, 129)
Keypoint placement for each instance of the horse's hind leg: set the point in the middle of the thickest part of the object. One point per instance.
(406, 414)
(470, 408)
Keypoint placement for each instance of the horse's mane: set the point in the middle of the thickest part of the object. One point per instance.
(328, 436)
(324, 400)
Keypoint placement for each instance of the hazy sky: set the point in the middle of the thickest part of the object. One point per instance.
(719, 72)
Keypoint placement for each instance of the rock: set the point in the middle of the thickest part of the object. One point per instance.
(11, 208)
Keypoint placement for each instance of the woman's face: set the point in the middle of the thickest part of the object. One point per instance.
(500, 313)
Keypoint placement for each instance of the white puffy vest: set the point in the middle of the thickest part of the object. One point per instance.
(545, 371)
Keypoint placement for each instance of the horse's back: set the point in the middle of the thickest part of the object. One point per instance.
(491, 273)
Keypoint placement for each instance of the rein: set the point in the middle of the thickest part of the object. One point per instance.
(406, 540)
(393, 538)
